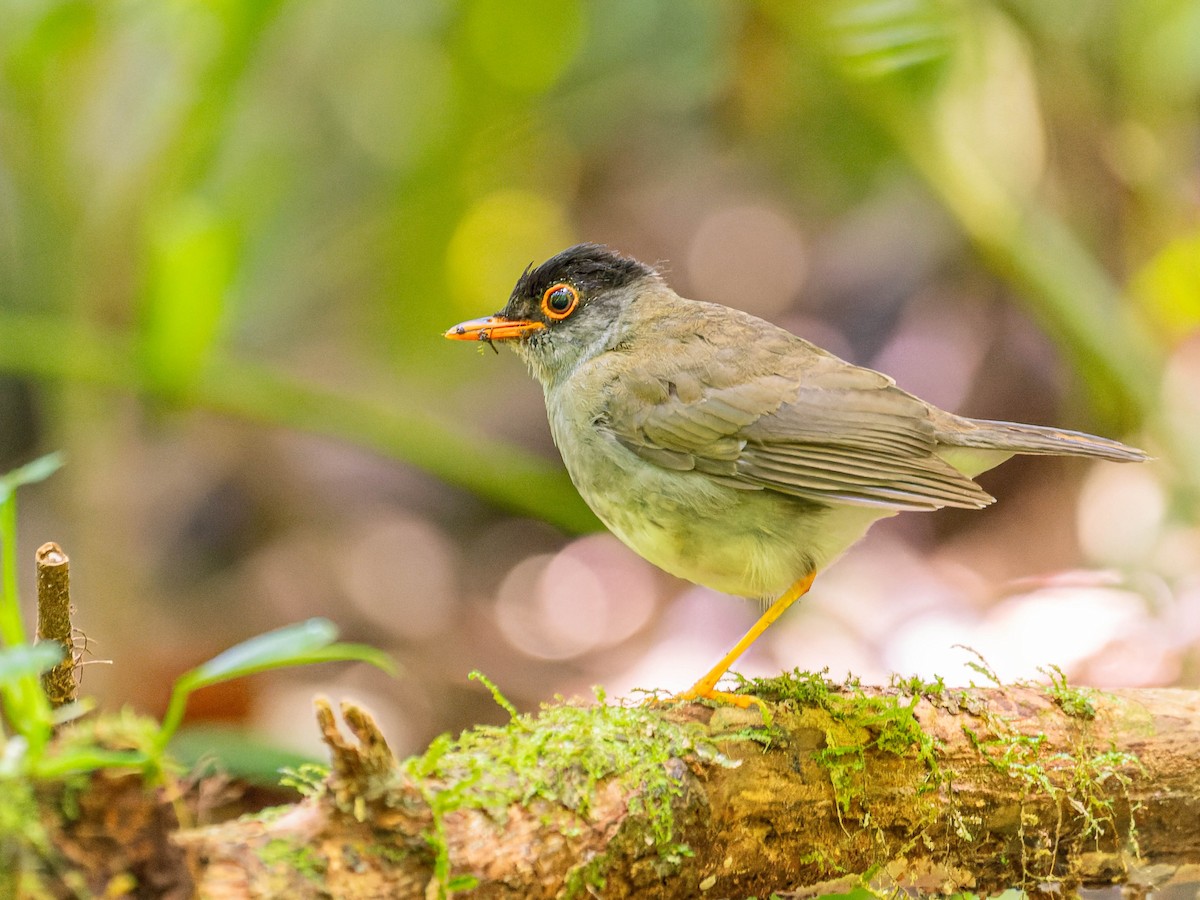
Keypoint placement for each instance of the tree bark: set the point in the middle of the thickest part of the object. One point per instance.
(978, 789)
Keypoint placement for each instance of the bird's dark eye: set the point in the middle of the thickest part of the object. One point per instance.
(559, 301)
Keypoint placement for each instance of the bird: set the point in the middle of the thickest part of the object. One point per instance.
(726, 450)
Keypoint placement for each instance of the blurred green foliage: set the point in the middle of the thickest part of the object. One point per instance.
(273, 209)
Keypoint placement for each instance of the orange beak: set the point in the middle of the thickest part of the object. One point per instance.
(493, 328)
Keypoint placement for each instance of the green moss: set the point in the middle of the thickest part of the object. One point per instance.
(823, 860)
(307, 779)
(859, 724)
(561, 756)
(1092, 783)
(267, 813)
(1075, 702)
(24, 843)
(983, 667)
(587, 879)
(799, 686)
(394, 854)
(918, 687)
(304, 860)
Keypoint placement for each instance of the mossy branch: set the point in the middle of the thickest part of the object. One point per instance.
(914, 785)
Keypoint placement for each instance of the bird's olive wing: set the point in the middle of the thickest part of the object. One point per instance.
(823, 429)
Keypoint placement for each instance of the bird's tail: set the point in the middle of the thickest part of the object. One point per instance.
(1013, 437)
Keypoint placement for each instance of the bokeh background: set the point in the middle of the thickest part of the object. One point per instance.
(232, 232)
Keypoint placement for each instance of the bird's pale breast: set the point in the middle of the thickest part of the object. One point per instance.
(752, 543)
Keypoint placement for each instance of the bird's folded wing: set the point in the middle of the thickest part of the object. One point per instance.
(830, 433)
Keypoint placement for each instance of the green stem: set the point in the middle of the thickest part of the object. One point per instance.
(173, 717)
(1059, 281)
(509, 477)
(12, 629)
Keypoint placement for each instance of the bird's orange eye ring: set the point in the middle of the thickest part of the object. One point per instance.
(559, 301)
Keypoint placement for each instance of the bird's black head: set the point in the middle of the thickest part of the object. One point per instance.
(565, 310)
(565, 285)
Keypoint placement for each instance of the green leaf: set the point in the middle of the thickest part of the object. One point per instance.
(76, 709)
(32, 472)
(235, 752)
(88, 759)
(24, 660)
(25, 702)
(294, 645)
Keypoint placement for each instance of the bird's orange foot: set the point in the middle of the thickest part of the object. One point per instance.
(745, 701)
(697, 693)
(705, 689)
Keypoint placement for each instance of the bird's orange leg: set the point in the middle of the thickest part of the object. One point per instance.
(705, 688)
